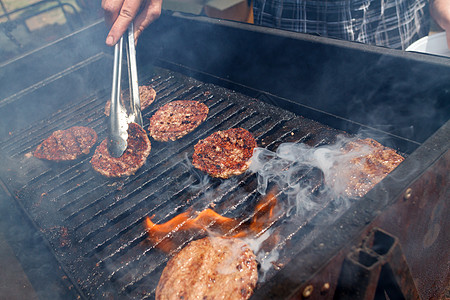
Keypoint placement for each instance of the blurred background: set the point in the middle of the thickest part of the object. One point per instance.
(29, 24)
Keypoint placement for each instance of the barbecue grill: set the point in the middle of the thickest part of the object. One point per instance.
(282, 87)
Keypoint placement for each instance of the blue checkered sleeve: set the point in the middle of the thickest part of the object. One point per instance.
(389, 23)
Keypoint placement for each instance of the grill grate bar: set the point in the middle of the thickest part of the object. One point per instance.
(34, 178)
(19, 139)
(77, 118)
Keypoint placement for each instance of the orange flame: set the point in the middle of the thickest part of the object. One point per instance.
(264, 213)
(160, 234)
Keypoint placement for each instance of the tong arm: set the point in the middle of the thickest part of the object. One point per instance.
(118, 123)
(119, 118)
(136, 115)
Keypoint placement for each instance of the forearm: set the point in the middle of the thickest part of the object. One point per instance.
(440, 12)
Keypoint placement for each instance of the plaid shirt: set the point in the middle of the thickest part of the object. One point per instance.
(390, 23)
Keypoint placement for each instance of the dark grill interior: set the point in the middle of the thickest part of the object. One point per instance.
(95, 225)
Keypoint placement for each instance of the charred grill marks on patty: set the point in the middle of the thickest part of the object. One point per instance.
(67, 144)
(132, 159)
(176, 119)
(224, 153)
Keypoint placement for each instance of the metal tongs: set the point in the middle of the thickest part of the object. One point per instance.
(120, 116)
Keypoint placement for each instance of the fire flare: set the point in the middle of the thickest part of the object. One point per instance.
(160, 234)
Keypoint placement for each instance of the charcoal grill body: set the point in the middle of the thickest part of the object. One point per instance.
(268, 81)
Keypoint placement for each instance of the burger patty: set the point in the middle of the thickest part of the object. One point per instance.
(210, 268)
(67, 144)
(176, 119)
(368, 168)
(146, 97)
(224, 153)
(132, 159)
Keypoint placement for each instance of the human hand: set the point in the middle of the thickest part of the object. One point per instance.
(120, 13)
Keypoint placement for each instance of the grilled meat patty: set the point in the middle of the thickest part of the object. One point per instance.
(176, 119)
(146, 97)
(210, 268)
(370, 165)
(67, 144)
(132, 159)
(224, 153)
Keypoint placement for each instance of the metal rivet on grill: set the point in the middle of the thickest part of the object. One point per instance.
(308, 291)
(325, 288)
(407, 194)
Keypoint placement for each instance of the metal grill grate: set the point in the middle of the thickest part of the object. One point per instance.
(95, 224)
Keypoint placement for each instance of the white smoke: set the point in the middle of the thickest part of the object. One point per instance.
(288, 167)
(307, 179)
(264, 258)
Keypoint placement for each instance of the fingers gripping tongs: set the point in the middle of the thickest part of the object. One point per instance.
(121, 114)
